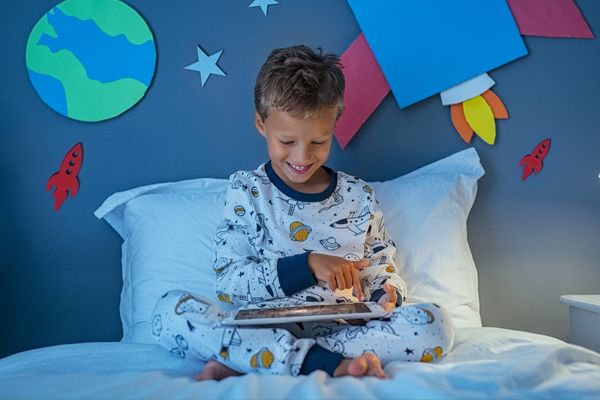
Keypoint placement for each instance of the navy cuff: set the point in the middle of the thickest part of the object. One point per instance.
(319, 358)
(376, 295)
(294, 273)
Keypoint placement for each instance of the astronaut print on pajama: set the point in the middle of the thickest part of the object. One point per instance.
(189, 327)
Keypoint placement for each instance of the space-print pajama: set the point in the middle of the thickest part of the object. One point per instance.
(261, 255)
(188, 326)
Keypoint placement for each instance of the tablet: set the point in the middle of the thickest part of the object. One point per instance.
(283, 315)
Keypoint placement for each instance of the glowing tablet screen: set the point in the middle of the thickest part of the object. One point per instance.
(325, 309)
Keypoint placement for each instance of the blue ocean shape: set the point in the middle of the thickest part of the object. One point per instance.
(105, 58)
(51, 91)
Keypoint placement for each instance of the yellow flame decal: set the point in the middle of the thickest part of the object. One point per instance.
(480, 117)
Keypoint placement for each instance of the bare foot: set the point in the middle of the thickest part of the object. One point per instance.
(368, 364)
(214, 370)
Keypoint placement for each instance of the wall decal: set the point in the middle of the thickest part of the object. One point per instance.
(66, 180)
(422, 50)
(478, 115)
(365, 89)
(408, 40)
(534, 162)
(264, 5)
(207, 65)
(91, 60)
(550, 18)
(467, 89)
(473, 108)
(457, 114)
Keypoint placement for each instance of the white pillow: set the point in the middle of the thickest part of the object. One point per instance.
(168, 232)
(426, 213)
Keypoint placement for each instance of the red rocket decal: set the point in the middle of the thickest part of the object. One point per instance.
(65, 180)
(534, 162)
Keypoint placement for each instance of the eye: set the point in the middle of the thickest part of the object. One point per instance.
(286, 142)
(321, 142)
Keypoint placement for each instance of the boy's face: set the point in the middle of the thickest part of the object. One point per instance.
(298, 147)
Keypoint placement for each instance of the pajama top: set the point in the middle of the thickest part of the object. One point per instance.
(268, 230)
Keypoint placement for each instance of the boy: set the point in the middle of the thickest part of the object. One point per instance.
(297, 232)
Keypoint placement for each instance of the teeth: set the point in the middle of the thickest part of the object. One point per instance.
(298, 168)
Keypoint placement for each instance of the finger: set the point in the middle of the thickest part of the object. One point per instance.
(331, 281)
(357, 285)
(392, 293)
(341, 282)
(386, 304)
(348, 277)
(389, 307)
(362, 264)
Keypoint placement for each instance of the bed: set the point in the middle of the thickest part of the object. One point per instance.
(486, 362)
(167, 233)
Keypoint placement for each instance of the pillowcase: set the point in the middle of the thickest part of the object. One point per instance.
(168, 235)
(425, 213)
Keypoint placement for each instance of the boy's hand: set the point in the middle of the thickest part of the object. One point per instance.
(338, 272)
(388, 300)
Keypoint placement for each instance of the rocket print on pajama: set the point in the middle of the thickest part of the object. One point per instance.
(269, 227)
(261, 256)
(417, 332)
(188, 326)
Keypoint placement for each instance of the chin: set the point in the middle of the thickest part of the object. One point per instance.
(299, 178)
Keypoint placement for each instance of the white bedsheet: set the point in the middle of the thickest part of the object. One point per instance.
(485, 363)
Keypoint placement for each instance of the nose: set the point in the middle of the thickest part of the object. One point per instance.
(302, 153)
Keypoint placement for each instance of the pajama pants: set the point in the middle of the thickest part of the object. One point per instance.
(189, 326)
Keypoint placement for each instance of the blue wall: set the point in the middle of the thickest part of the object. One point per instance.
(60, 274)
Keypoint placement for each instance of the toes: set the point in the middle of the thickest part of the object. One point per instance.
(358, 367)
(374, 366)
(203, 376)
(208, 372)
(368, 364)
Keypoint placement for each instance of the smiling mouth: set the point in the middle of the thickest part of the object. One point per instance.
(299, 169)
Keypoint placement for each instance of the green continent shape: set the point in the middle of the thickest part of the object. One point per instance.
(42, 26)
(87, 100)
(113, 17)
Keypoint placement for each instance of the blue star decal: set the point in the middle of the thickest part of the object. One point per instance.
(206, 65)
(263, 4)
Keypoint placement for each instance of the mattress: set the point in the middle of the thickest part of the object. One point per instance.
(485, 362)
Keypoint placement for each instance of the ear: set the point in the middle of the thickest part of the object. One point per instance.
(260, 124)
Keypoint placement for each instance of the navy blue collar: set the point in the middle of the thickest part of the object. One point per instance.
(300, 196)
